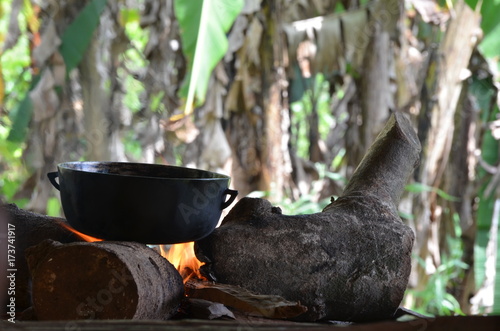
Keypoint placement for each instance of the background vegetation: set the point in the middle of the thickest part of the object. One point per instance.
(283, 95)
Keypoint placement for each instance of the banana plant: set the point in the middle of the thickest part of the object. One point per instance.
(490, 24)
(490, 48)
(203, 27)
(74, 42)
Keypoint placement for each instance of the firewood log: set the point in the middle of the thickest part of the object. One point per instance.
(350, 262)
(102, 280)
(31, 229)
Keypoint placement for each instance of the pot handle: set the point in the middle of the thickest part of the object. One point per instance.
(232, 196)
(52, 177)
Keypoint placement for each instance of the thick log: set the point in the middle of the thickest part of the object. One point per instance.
(102, 280)
(270, 306)
(31, 229)
(350, 262)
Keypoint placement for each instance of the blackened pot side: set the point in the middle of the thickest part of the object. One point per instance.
(147, 203)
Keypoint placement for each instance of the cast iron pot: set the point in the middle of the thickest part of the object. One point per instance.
(147, 203)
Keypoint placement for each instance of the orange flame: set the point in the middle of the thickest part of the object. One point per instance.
(183, 258)
(79, 234)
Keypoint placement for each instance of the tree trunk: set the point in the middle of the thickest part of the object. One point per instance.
(458, 181)
(101, 114)
(53, 135)
(374, 82)
(258, 124)
(436, 130)
(162, 79)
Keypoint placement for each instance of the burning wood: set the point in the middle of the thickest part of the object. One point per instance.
(102, 280)
(350, 262)
(82, 236)
(183, 259)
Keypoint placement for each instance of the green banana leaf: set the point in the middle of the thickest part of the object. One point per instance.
(483, 90)
(203, 27)
(77, 36)
(21, 116)
(421, 187)
(490, 24)
(74, 42)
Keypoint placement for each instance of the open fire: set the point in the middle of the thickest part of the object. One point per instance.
(180, 255)
(184, 260)
(79, 234)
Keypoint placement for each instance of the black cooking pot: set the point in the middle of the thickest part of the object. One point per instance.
(147, 203)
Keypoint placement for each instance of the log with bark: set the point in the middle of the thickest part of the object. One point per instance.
(349, 262)
(102, 280)
(31, 229)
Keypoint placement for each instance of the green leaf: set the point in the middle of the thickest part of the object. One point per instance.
(421, 187)
(405, 215)
(496, 295)
(339, 8)
(31, 17)
(20, 117)
(490, 16)
(77, 36)
(203, 27)
(490, 24)
(335, 176)
(490, 45)
(472, 3)
(75, 41)
(129, 15)
(298, 85)
(451, 304)
(155, 103)
(53, 207)
(485, 213)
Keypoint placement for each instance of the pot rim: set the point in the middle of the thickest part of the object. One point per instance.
(210, 175)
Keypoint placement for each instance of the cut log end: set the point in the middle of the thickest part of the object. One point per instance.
(404, 127)
(106, 280)
(388, 163)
